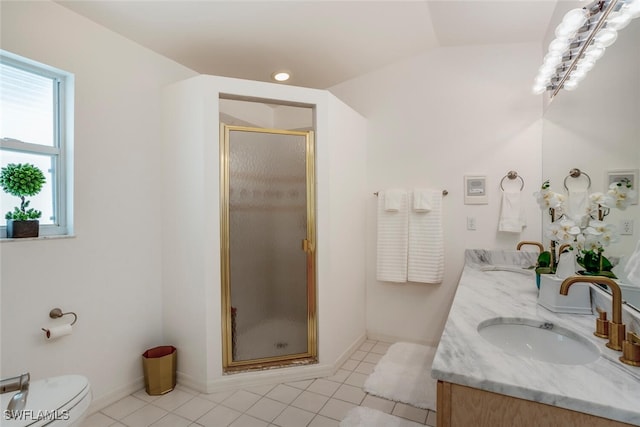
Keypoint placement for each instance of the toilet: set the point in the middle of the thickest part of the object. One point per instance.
(59, 401)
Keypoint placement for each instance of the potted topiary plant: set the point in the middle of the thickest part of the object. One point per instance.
(22, 180)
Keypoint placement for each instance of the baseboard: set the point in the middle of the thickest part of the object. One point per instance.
(115, 395)
(376, 336)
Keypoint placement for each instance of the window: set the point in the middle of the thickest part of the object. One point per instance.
(35, 106)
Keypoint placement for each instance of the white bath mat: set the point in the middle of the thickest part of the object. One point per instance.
(404, 375)
(361, 416)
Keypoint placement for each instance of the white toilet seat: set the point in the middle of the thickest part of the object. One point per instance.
(63, 400)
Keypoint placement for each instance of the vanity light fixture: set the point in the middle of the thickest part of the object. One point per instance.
(581, 39)
(281, 76)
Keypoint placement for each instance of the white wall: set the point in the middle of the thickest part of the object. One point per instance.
(191, 249)
(110, 272)
(432, 119)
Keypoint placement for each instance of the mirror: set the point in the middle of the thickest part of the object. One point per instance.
(596, 128)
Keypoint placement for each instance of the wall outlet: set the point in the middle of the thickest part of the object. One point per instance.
(471, 223)
(626, 227)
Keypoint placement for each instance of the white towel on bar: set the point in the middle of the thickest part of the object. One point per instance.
(393, 228)
(393, 200)
(511, 215)
(421, 200)
(426, 242)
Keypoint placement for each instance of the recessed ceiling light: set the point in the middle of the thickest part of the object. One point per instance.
(281, 76)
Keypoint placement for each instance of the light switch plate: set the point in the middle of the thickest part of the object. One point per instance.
(475, 190)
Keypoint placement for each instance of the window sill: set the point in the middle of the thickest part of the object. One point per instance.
(31, 239)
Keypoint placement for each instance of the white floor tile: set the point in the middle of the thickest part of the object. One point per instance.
(266, 409)
(98, 420)
(301, 384)
(378, 403)
(432, 419)
(339, 376)
(321, 402)
(241, 400)
(173, 399)
(310, 401)
(324, 387)
(365, 368)
(409, 412)
(372, 358)
(350, 365)
(380, 348)
(144, 416)
(220, 416)
(124, 407)
(322, 421)
(336, 409)
(358, 355)
(171, 420)
(349, 394)
(195, 408)
(217, 397)
(247, 421)
(356, 379)
(367, 346)
(284, 393)
(293, 417)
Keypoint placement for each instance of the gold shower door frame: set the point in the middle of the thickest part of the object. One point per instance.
(307, 245)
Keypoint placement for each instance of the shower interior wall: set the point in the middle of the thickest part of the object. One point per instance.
(191, 249)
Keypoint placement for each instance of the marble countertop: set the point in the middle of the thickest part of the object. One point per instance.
(606, 388)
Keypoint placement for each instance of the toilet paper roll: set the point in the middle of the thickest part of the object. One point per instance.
(57, 332)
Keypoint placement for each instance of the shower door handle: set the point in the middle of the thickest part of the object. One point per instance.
(307, 246)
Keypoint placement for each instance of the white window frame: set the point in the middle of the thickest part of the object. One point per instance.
(61, 149)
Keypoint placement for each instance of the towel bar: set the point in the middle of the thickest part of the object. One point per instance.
(444, 193)
(512, 175)
(576, 173)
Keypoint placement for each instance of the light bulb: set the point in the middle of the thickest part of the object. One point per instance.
(538, 89)
(633, 8)
(575, 18)
(619, 20)
(558, 46)
(281, 76)
(552, 59)
(594, 52)
(606, 37)
(563, 31)
(586, 64)
(570, 85)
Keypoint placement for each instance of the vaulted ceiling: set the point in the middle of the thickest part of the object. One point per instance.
(322, 42)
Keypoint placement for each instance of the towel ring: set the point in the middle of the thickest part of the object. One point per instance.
(512, 175)
(576, 173)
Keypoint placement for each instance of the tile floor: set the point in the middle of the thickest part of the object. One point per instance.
(322, 402)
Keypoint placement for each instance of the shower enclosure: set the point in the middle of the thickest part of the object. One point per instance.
(268, 247)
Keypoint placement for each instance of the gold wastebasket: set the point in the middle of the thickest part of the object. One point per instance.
(159, 365)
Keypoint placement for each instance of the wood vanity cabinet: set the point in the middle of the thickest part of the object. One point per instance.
(461, 406)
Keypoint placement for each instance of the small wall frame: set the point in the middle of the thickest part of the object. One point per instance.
(617, 175)
(475, 190)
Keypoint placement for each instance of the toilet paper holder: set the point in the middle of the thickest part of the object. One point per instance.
(56, 313)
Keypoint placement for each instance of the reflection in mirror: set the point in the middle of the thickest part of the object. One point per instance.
(596, 128)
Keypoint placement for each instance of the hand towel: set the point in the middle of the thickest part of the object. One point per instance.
(632, 269)
(578, 207)
(393, 200)
(392, 241)
(426, 242)
(421, 200)
(511, 215)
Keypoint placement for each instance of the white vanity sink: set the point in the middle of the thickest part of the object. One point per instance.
(538, 340)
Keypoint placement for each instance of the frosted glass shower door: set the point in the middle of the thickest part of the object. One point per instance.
(268, 247)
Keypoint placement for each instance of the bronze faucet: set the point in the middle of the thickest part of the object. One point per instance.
(525, 242)
(616, 327)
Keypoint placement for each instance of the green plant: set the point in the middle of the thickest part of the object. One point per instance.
(22, 180)
(544, 265)
(595, 264)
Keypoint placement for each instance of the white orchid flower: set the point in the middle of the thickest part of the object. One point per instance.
(564, 231)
